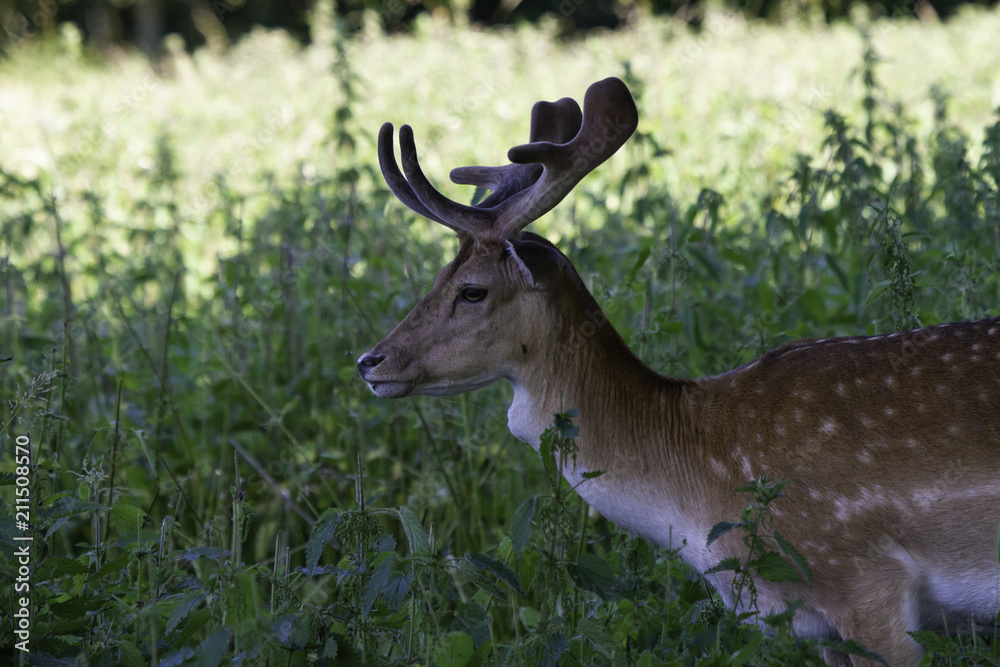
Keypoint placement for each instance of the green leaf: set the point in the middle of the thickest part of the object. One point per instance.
(192, 626)
(744, 654)
(126, 515)
(725, 565)
(595, 632)
(498, 569)
(213, 648)
(479, 581)
(57, 496)
(78, 606)
(640, 261)
(416, 534)
(564, 424)
(178, 657)
(797, 558)
(547, 451)
(773, 567)
(672, 327)
(590, 572)
(190, 602)
(529, 617)
(474, 620)
(720, 529)
(852, 647)
(482, 653)
(376, 584)
(322, 532)
(129, 654)
(55, 566)
(520, 526)
(454, 650)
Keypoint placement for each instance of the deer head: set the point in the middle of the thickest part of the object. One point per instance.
(891, 443)
(489, 307)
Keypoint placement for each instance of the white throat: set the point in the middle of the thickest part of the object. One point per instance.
(640, 506)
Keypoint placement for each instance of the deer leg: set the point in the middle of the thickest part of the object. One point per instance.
(895, 606)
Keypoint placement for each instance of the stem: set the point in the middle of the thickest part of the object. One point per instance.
(114, 456)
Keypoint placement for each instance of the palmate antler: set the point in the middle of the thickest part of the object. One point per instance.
(565, 145)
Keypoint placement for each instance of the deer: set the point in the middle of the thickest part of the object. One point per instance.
(890, 443)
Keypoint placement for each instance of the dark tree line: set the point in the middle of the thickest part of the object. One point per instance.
(143, 22)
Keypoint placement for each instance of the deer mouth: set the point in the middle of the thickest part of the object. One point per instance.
(391, 388)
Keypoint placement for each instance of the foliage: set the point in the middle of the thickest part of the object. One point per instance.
(184, 299)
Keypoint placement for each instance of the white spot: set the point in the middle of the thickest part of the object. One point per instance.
(858, 381)
(921, 407)
(864, 456)
(890, 381)
(779, 429)
(953, 430)
(946, 357)
(797, 414)
(975, 347)
(866, 422)
(915, 370)
(829, 426)
(991, 330)
(840, 389)
(889, 412)
(911, 442)
(747, 470)
(832, 561)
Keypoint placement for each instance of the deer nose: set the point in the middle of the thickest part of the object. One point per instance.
(368, 362)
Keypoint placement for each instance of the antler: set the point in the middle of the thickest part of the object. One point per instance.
(565, 145)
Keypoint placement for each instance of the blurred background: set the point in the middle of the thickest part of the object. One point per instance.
(143, 23)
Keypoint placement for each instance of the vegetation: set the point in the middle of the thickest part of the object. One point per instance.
(195, 255)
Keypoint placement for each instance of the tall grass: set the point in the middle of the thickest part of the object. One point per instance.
(195, 255)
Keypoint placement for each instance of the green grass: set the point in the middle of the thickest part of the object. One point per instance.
(195, 257)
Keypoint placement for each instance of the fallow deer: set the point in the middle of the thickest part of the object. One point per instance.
(891, 443)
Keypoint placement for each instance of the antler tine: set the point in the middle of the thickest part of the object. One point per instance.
(394, 178)
(609, 119)
(471, 219)
(557, 122)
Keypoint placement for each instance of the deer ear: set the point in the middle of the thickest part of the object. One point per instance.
(539, 263)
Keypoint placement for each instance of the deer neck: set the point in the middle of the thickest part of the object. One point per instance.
(634, 424)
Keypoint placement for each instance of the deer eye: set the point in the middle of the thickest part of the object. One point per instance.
(473, 294)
